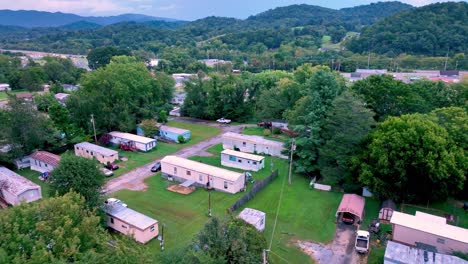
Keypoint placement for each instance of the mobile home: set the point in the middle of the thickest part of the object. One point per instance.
(173, 133)
(43, 161)
(15, 189)
(139, 142)
(253, 144)
(90, 151)
(241, 160)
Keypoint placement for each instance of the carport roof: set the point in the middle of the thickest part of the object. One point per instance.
(352, 203)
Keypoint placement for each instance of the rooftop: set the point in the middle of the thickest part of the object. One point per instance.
(397, 253)
(96, 148)
(203, 168)
(175, 130)
(253, 139)
(132, 137)
(16, 184)
(352, 203)
(420, 222)
(251, 216)
(242, 155)
(61, 96)
(46, 157)
(130, 216)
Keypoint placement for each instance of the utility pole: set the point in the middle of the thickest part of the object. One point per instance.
(293, 147)
(264, 257)
(368, 60)
(94, 128)
(161, 243)
(209, 203)
(446, 59)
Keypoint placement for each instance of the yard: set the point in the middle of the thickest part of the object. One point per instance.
(184, 215)
(4, 95)
(258, 131)
(34, 177)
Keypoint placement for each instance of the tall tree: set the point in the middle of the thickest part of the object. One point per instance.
(102, 56)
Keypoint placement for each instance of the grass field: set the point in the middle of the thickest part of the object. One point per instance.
(33, 176)
(258, 131)
(4, 95)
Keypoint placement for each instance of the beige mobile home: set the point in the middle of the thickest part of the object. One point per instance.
(43, 161)
(181, 170)
(15, 188)
(241, 160)
(130, 222)
(138, 142)
(422, 228)
(253, 144)
(90, 151)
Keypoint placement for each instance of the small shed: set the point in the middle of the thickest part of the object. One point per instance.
(386, 210)
(15, 189)
(241, 160)
(352, 204)
(138, 142)
(43, 161)
(253, 217)
(62, 97)
(173, 133)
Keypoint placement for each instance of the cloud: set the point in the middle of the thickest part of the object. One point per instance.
(167, 7)
(87, 7)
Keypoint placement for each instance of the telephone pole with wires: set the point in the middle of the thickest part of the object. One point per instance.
(293, 148)
(94, 128)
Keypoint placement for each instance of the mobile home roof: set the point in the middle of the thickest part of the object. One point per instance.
(253, 139)
(175, 130)
(242, 155)
(96, 148)
(132, 137)
(130, 216)
(16, 184)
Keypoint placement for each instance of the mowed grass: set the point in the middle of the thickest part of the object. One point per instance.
(304, 214)
(136, 159)
(4, 95)
(34, 177)
(258, 131)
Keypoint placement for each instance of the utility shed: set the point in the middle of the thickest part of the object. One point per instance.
(386, 210)
(130, 222)
(241, 160)
(352, 204)
(253, 144)
(204, 175)
(90, 151)
(253, 217)
(15, 188)
(426, 229)
(138, 142)
(43, 161)
(397, 253)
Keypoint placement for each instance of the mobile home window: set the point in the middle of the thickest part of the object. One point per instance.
(200, 177)
(441, 241)
(124, 226)
(254, 162)
(175, 170)
(92, 153)
(112, 220)
(189, 173)
(244, 144)
(152, 229)
(240, 161)
(232, 158)
(225, 185)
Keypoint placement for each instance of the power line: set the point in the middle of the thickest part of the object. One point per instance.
(277, 213)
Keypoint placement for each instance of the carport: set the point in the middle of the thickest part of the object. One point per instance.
(351, 205)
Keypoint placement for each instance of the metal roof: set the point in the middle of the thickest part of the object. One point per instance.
(15, 183)
(253, 139)
(203, 168)
(175, 130)
(352, 203)
(131, 137)
(46, 157)
(242, 155)
(130, 216)
(431, 227)
(251, 216)
(98, 149)
(397, 253)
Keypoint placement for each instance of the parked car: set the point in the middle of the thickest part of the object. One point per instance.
(106, 172)
(111, 166)
(223, 120)
(111, 201)
(348, 218)
(362, 241)
(156, 167)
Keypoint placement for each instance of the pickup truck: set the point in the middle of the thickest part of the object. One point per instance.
(362, 241)
(223, 120)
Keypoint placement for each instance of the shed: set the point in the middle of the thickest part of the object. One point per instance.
(396, 253)
(253, 144)
(253, 217)
(139, 142)
(62, 97)
(15, 188)
(204, 175)
(386, 210)
(90, 151)
(352, 204)
(241, 160)
(43, 161)
(173, 133)
(130, 222)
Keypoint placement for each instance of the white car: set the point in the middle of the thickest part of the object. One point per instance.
(223, 120)
(111, 201)
(107, 172)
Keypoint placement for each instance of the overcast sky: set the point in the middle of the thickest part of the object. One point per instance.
(180, 9)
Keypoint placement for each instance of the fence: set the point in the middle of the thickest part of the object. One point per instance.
(258, 186)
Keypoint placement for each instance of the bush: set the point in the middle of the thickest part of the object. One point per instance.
(276, 131)
(266, 132)
(181, 139)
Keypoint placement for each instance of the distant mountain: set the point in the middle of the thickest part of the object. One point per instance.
(24, 18)
(80, 25)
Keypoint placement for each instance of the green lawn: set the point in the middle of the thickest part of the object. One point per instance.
(304, 214)
(33, 176)
(258, 131)
(136, 159)
(4, 95)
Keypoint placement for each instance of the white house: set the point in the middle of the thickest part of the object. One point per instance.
(138, 142)
(15, 189)
(253, 144)
(183, 170)
(253, 217)
(43, 161)
(241, 160)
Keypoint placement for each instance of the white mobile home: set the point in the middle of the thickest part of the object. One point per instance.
(15, 188)
(253, 217)
(253, 144)
(181, 170)
(241, 160)
(43, 161)
(138, 142)
(90, 151)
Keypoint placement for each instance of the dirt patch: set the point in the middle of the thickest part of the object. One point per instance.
(136, 186)
(177, 188)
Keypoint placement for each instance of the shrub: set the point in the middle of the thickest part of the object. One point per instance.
(266, 132)
(181, 139)
(276, 131)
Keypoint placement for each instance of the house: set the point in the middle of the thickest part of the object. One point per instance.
(62, 97)
(43, 161)
(351, 205)
(241, 160)
(4, 87)
(253, 217)
(428, 230)
(396, 253)
(27, 97)
(15, 189)
(253, 144)
(70, 87)
(386, 210)
(203, 175)
(90, 151)
(173, 133)
(130, 222)
(138, 142)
